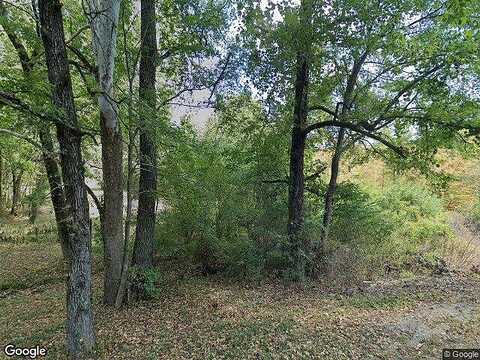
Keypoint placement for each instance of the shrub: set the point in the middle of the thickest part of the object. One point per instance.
(218, 212)
(393, 229)
(143, 282)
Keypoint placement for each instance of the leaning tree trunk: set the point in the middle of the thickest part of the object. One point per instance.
(103, 16)
(145, 231)
(332, 187)
(57, 193)
(80, 331)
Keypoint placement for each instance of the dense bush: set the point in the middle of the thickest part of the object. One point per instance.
(218, 210)
(224, 206)
(393, 228)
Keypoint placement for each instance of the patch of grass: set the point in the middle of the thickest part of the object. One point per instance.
(378, 301)
(29, 265)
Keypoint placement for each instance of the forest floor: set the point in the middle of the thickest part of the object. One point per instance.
(197, 317)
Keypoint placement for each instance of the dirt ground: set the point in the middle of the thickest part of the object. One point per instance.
(198, 317)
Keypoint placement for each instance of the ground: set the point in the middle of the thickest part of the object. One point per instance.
(197, 317)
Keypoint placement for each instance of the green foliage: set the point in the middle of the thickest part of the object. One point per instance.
(219, 211)
(395, 226)
(144, 281)
(358, 217)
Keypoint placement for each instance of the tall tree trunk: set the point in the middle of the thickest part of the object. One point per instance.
(80, 331)
(332, 187)
(35, 200)
(297, 151)
(128, 216)
(145, 231)
(57, 193)
(16, 185)
(112, 224)
(103, 16)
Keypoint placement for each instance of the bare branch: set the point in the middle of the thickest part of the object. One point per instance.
(220, 77)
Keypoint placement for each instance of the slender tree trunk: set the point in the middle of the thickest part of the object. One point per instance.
(35, 200)
(103, 16)
(128, 217)
(57, 193)
(145, 231)
(132, 132)
(80, 331)
(16, 187)
(332, 187)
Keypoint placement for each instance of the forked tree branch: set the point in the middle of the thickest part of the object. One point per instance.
(356, 128)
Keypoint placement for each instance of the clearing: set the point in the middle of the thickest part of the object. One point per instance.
(198, 317)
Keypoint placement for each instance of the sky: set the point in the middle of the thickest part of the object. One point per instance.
(199, 117)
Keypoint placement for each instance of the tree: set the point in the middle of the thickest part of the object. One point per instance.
(103, 17)
(80, 331)
(193, 58)
(145, 231)
(357, 63)
(297, 152)
(49, 157)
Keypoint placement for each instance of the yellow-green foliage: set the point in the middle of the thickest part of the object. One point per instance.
(403, 222)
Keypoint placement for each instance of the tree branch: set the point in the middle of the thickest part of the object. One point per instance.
(22, 137)
(404, 90)
(17, 104)
(322, 108)
(220, 77)
(12, 36)
(355, 128)
(95, 199)
(92, 69)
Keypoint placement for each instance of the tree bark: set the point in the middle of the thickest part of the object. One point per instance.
(80, 331)
(57, 193)
(16, 185)
(145, 230)
(103, 16)
(297, 182)
(332, 187)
